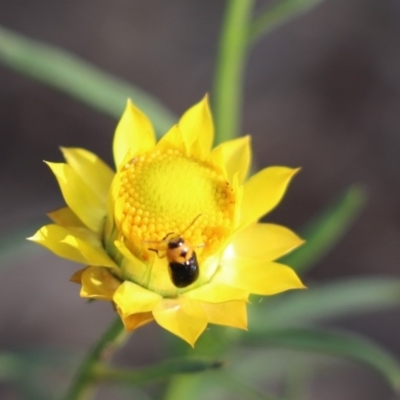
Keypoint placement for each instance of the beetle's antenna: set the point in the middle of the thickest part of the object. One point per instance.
(192, 223)
(168, 234)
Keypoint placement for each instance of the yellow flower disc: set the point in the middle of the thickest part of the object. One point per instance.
(167, 192)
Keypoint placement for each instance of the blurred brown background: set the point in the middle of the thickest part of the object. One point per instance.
(321, 92)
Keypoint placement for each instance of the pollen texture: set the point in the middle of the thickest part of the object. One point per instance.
(165, 192)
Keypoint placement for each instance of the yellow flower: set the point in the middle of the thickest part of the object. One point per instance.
(172, 236)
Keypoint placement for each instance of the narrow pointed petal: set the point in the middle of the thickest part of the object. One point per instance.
(235, 156)
(197, 127)
(183, 317)
(86, 235)
(134, 132)
(265, 242)
(93, 171)
(63, 243)
(132, 322)
(173, 139)
(131, 298)
(231, 313)
(98, 283)
(217, 159)
(130, 265)
(258, 277)
(65, 217)
(217, 293)
(263, 191)
(77, 276)
(81, 199)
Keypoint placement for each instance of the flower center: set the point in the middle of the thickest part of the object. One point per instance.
(166, 192)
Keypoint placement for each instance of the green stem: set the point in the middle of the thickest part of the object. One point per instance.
(111, 339)
(229, 70)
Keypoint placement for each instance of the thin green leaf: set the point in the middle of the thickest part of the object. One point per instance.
(11, 366)
(28, 370)
(15, 365)
(160, 371)
(327, 301)
(335, 343)
(323, 233)
(278, 14)
(228, 80)
(77, 78)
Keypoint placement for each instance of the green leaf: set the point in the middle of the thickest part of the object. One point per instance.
(160, 371)
(323, 233)
(230, 65)
(336, 299)
(335, 343)
(87, 83)
(278, 14)
(11, 366)
(27, 370)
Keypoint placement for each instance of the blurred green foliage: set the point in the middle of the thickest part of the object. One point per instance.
(285, 321)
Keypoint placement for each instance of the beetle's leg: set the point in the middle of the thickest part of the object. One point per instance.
(158, 253)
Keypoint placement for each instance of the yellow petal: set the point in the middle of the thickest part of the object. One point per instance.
(86, 235)
(259, 277)
(93, 171)
(217, 293)
(231, 313)
(131, 299)
(65, 217)
(236, 156)
(263, 191)
(158, 277)
(173, 139)
(132, 322)
(183, 317)
(63, 243)
(77, 276)
(217, 159)
(265, 242)
(197, 128)
(130, 265)
(238, 190)
(81, 199)
(98, 283)
(134, 132)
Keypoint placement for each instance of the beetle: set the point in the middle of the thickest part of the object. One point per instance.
(183, 266)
